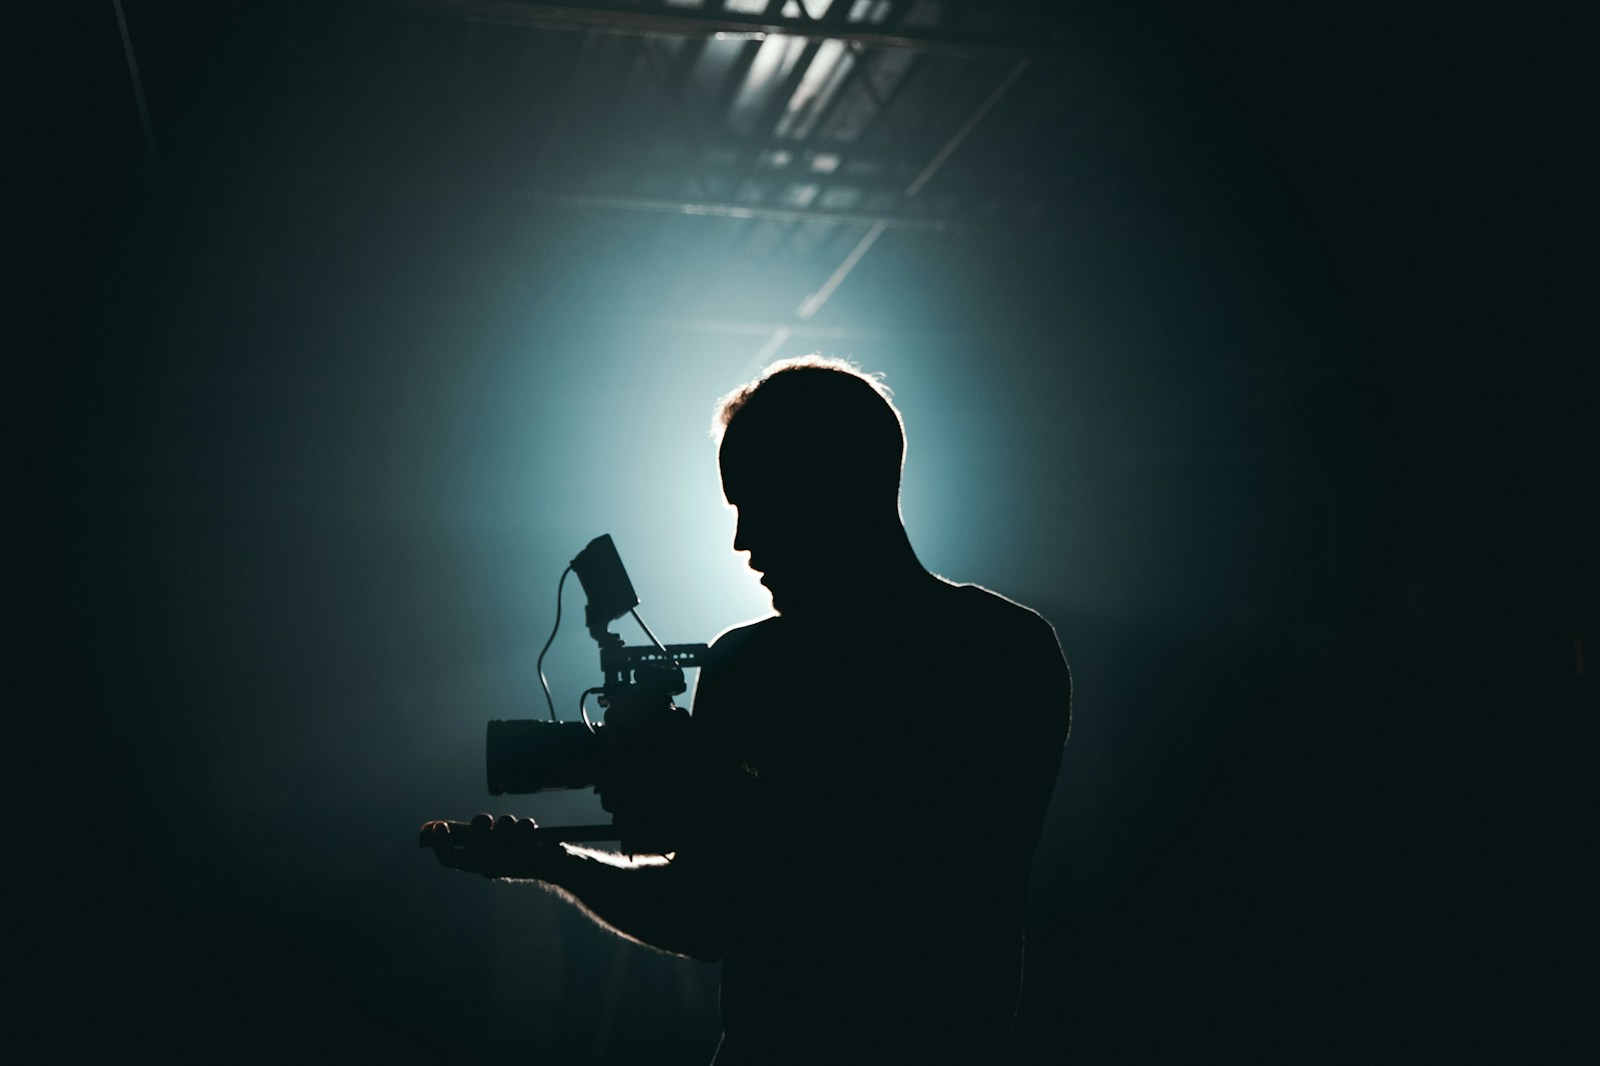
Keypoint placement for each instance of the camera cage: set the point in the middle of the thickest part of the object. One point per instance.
(649, 670)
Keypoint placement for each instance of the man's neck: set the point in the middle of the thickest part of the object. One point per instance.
(875, 575)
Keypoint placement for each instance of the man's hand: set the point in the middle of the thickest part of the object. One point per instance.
(503, 847)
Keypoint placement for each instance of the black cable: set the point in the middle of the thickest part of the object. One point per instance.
(554, 630)
(662, 648)
(659, 646)
(583, 710)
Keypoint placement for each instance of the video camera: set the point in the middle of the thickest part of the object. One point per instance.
(525, 756)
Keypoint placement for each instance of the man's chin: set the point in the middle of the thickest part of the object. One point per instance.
(792, 598)
(775, 590)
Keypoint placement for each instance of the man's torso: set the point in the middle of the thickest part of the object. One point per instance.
(902, 760)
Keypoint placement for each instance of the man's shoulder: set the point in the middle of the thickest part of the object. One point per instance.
(991, 609)
(739, 658)
(747, 639)
(745, 633)
(1000, 629)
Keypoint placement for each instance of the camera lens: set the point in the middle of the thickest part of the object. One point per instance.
(530, 755)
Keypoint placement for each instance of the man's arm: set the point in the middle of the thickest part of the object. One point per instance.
(668, 903)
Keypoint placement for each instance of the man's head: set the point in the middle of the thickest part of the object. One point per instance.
(810, 454)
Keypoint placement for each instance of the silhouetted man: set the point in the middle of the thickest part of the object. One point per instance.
(871, 771)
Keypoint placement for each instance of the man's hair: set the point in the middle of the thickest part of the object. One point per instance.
(818, 421)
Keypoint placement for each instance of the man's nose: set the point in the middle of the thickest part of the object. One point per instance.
(752, 535)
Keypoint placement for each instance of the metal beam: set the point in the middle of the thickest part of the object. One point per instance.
(719, 209)
(138, 85)
(806, 331)
(688, 22)
(646, 205)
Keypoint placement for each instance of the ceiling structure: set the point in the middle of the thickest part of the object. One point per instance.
(785, 137)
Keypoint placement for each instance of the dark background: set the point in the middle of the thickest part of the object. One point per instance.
(1278, 411)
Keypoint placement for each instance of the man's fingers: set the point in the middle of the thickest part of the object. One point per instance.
(494, 847)
(434, 833)
(449, 844)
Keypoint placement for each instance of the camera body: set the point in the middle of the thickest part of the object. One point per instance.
(529, 755)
